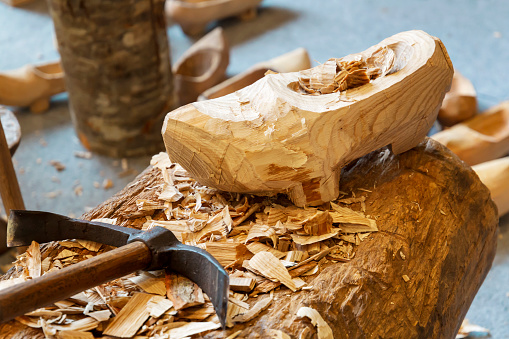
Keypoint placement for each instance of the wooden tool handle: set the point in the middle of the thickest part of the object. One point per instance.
(9, 187)
(39, 292)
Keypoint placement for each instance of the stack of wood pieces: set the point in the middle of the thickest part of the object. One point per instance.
(406, 226)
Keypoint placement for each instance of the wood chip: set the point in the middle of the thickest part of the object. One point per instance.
(270, 267)
(277, 334)
(311, 239)
(346, 216)
(256, 247)
(262, 232)
(406, 278)
(107, 184)
(239, 303)
(131, 317)
(323, 329)
(91, 245)
(33, 255)
(182, 291)
(159, 306)
(149, 283)
(256, 309)
(170, 193)
(192, 328)
(57, 164)
(227, 252)
(74, 335)
(242, 284)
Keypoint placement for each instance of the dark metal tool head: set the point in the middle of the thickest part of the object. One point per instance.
(167, 252)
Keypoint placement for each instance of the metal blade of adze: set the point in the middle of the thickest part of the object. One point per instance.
(161, 247)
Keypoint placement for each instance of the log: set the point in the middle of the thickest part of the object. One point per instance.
(293, 132)
(460, 103)
(482, 138)
(415, 278)
(115, 56)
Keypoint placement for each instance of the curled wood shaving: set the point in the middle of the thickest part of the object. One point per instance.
(34, 260)
(323, 329)
(256, 309)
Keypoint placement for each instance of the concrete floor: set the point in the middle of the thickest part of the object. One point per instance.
(475, 33)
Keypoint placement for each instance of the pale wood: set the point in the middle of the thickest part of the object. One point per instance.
(182, 291)
(446, 215)
(460, 103)
(193, 16)
(267, 138)
(483, 138)
(202, 66)
(293, 61)
(131, 317)
(31, 86)
(495, 175)
(240, 284)
(115, 56)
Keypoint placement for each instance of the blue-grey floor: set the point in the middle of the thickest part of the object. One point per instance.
(475, 32)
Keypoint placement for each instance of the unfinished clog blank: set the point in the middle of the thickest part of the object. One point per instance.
(293, 132)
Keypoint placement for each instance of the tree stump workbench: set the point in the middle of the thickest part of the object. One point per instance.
(414, 278)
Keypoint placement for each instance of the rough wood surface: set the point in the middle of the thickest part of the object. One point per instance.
(11, 129)
(272, 137)
(437, 227)
(117, 67)
(482, 138)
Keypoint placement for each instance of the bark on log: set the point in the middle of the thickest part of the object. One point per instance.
(115, 56)
(437, 224)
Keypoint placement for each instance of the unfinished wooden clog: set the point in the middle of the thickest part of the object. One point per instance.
(495, 175)
(193, 16)
(201, 66)
(483, 138)
(460, 103)
(293, 132)
(31, 86)
(293, 61)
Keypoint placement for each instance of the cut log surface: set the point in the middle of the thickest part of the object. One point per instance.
(273, 137)
(414, 278)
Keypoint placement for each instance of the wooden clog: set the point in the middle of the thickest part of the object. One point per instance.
(193, 16)
(31, 86)
(293, 132)
(296, 60)
(482, 138)
(201, 66)
(495, 175)
(460, 103)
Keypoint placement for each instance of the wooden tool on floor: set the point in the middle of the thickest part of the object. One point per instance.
(293, 132)
(460, 103)
(483, 138)
(31, 86)
(193, 16)
(9, 186)
(495, 175)
(202, 66)
(155, 249)
(293, 61)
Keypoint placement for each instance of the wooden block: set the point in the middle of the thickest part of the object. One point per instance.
(242, 284)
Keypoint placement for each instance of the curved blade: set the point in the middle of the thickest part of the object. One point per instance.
(24, 227)
(203, 269)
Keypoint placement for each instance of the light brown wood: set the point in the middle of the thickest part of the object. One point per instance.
(293, 61)
(11, 128)
(202, 66)
(446, 215)
(193, 16)
(495, 175)
(271, 138)
(460, 103)
(483, 138)
(115, 56)
(31, 86)
(240, 284)
(182, 292)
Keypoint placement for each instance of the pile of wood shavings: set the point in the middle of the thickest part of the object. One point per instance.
(337, 75)
(264, 244)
